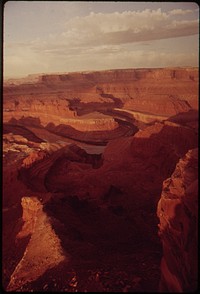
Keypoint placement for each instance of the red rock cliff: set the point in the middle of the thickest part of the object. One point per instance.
(178, 214)
(165, 91)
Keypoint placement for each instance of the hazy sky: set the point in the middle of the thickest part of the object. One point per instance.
(63, 36)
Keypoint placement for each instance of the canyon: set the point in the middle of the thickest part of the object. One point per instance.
(100, 181)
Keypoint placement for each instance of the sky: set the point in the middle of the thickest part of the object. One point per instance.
(68, 36)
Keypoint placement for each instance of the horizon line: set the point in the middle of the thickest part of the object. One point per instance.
(88, 71)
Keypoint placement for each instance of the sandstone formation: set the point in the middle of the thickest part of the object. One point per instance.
(94, 106)
(90, 151)
(43, 250)
(35, 171)
(154, 91)
(178, 214)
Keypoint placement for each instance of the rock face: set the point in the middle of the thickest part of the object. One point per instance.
(43, 250)
(155, 91)
(178, 214)
(90, 152)
(136, 165)
(97, 107)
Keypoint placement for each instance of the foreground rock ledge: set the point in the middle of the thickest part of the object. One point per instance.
(43, 251)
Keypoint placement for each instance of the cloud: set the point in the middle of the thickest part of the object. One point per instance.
(112, 29)
(128, 27)
(180, 11)
(105, 40)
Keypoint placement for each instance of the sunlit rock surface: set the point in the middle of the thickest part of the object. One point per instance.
(178, 228)
(90, 151)
(43, 250)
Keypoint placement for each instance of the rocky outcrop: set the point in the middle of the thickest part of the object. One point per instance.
(16, 143)
(163, 137)
(43, 251)
(94, 137)
(137, 165)
(16, 147)
(19, 132)
(142, 117)
(33, 157)
(178, 214)
(124, 115)
(45, 108)
(39, 166)
(42, 110)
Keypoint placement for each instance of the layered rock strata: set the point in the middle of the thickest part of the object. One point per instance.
(137, 165)
(178, 228)
(164, 92)
(82, 192)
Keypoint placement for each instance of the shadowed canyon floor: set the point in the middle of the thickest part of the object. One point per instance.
(85, 160)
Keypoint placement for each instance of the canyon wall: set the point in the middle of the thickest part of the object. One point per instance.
(178, 228)
(108, 75)
(90, 151)
(154, 91)
(52, 108)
